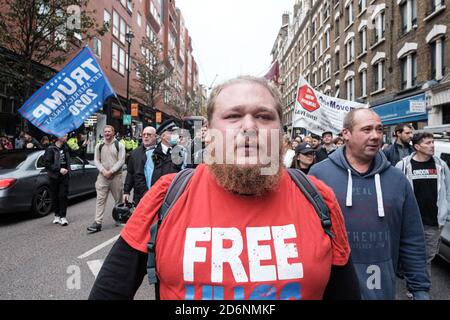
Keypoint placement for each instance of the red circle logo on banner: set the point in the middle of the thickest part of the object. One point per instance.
(307, 99)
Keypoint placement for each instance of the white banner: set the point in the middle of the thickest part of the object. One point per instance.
(317, 112)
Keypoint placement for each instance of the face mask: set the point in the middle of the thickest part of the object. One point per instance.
(173, 139)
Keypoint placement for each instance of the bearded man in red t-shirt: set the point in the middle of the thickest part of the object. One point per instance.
(241, 229)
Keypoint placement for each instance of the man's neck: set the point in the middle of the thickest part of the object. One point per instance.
(360, 165)
(59, 144)
(109, 140)
(400, 143)
(420, 157)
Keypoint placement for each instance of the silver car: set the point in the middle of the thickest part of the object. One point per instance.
(24, 184)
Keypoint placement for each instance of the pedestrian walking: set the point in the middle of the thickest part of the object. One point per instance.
(165, 153)
(327, 147)
(381, 214)
(402, 145)
(109, 159)
(304, 157)
(429, 177)
(135, 179)
(57, 164)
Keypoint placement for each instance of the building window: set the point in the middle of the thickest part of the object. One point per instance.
(155, 12)
(122, 60)
(362, 4)
(379, 29)
(116, 22)
(349, 13)
(327, 69)
(408, 10)
(363, 40)
(336, 30)
(437, 59)
(408, 71)
(338, 61)
(123, 30)
(97, 47)
(363, 82)
(378, 75)
(327, 39)
(115, 57)
(337, 90)
(106, 17)
(139, 19)
(350, 50)
(350, 89)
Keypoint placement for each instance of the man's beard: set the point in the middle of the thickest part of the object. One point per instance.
(247, 179)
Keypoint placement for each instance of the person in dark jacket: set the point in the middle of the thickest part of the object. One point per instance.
(162, 155)
(57, 164)
(381, 213)
(135, 179)
(401, 147)
(327, 146)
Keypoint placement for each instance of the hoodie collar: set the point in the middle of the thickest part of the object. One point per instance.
(379, 165)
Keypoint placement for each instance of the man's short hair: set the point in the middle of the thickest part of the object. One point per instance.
(400, 127)
(349, 119)
(418, 137)
(109, 126)
(327, 132)
(315, 136)
(274, 92)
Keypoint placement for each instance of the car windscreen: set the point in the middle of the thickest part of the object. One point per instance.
(11, 160)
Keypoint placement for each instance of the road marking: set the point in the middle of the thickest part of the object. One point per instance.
(95, 266)
(99, 247)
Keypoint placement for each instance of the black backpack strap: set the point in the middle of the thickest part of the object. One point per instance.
(175, 190)
(315, 198)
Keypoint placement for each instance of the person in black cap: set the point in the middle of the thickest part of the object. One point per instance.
(327, 146)
(162, 156)
(304, 157)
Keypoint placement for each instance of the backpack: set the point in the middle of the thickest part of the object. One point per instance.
(177, 187)
(116, 143)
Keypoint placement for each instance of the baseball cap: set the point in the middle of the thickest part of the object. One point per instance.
(304, 148)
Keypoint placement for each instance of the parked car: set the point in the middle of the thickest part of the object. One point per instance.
(24, 184)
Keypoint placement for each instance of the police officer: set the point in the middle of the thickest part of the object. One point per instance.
(162, 155)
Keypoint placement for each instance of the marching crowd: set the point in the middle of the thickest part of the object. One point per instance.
(381, 208)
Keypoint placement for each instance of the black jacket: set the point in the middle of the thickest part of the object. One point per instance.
(135, 174)
(322, 154)
(52, 160)
(163, 164)
(392, 153)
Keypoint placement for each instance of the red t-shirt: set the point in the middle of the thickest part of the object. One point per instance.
(214, 244)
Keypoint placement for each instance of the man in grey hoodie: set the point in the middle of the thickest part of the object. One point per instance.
(430, 179)
(381, 214)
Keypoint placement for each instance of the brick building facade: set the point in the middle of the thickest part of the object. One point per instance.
(385, 53)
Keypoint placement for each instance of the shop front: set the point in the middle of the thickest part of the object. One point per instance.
(410, 110)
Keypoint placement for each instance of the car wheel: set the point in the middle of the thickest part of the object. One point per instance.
(42, 202)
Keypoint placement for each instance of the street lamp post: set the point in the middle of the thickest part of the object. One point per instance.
(129, 38)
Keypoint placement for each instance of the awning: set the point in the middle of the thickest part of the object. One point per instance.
(399, 111)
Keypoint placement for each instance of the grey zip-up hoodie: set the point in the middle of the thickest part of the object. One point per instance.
(443, 185)
(383, 223)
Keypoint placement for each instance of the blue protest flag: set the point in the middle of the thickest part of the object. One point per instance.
(70, 97)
